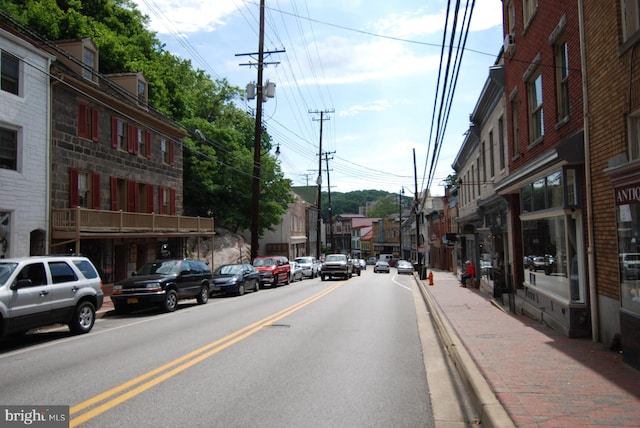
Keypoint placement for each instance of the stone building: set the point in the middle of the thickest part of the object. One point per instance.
(116, 168)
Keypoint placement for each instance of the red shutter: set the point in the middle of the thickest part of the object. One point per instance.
(134, 139)
(73, 187)
(149, 198)
(172, 201)
(95, 133)
(83, 130)
(130, 138)
(114, 132)
(147, 136)
(131, 196)
(114, 193)
(170, 152)
(95, 191)
(160, 200)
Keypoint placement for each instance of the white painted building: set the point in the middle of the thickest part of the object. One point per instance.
(24, 146)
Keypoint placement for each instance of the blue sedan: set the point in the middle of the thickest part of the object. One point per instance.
(235, 279)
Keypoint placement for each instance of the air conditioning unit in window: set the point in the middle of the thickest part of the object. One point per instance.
(509, 43)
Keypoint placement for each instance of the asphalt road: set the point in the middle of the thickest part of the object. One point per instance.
(310, 354)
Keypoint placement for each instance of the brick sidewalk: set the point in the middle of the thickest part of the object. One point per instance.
(541, 377)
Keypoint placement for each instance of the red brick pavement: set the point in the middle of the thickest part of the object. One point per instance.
(541, 377)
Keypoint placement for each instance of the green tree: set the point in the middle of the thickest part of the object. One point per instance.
(385, 206)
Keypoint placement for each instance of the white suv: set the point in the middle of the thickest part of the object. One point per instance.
(44, 290)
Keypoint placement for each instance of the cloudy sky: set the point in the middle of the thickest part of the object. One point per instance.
(373, 64)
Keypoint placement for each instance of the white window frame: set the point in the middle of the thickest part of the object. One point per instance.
(6, 150)
(633, 127)
(535, 103)
(5, 76)
(529, 8)
(562, 79)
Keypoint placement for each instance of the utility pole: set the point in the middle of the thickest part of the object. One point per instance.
(319, 183)
(326, 158)
(400, 217)
(417, 211)
(255, 188)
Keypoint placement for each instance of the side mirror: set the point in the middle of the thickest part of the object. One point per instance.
(21, 283)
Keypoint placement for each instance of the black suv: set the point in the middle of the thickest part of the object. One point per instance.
(163, 283)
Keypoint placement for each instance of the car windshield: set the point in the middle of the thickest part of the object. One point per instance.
(228, 270)
(165, 267)
(6, 269)
(264, 262)
(335, 258)
(302, 260)
(632, 257)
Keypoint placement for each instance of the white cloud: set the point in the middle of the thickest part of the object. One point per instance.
(186, 16)
(378, 105)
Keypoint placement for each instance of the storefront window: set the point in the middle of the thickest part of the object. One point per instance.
(550, 245)
(552, 237)
(628, 216)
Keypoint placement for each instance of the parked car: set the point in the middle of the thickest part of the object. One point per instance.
(336, 265)
(544, 263)
(630, 265)
(371, 261)
(309, 266)
(163, 282)
(381, 266)
(363, 264)
(356, 266)
(404, 266)
(39, 291)
(273, 270)
(296, 272)
(235, 279)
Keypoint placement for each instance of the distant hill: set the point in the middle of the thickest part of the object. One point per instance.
(350, 202)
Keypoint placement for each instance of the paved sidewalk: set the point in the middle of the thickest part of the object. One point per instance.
(540, 377)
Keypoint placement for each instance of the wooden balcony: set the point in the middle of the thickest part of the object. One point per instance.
(75, 223)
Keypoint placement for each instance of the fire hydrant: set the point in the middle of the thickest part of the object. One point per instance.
(430, 277)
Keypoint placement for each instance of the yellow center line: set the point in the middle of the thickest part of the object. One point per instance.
(181, 364)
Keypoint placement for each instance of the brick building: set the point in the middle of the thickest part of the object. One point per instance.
(612, 82)
(545, 185)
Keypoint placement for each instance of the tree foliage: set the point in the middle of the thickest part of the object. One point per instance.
(218, 153)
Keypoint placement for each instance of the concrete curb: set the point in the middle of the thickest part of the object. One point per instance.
(492, 413)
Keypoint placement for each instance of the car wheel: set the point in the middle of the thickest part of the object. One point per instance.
(322, 277)
(203, 297)
(240, 290)
(287, 281)
(170, 303)
(83, 318)
(256, 286)
(358, 273)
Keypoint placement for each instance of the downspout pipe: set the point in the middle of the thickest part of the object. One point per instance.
(591, 264)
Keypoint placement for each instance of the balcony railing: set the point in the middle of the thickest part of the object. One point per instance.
(82, 220)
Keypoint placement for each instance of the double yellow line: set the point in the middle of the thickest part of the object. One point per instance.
(123, 392)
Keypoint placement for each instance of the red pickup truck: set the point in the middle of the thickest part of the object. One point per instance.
(273, 270)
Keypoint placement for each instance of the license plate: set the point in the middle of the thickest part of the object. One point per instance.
(132, 300)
